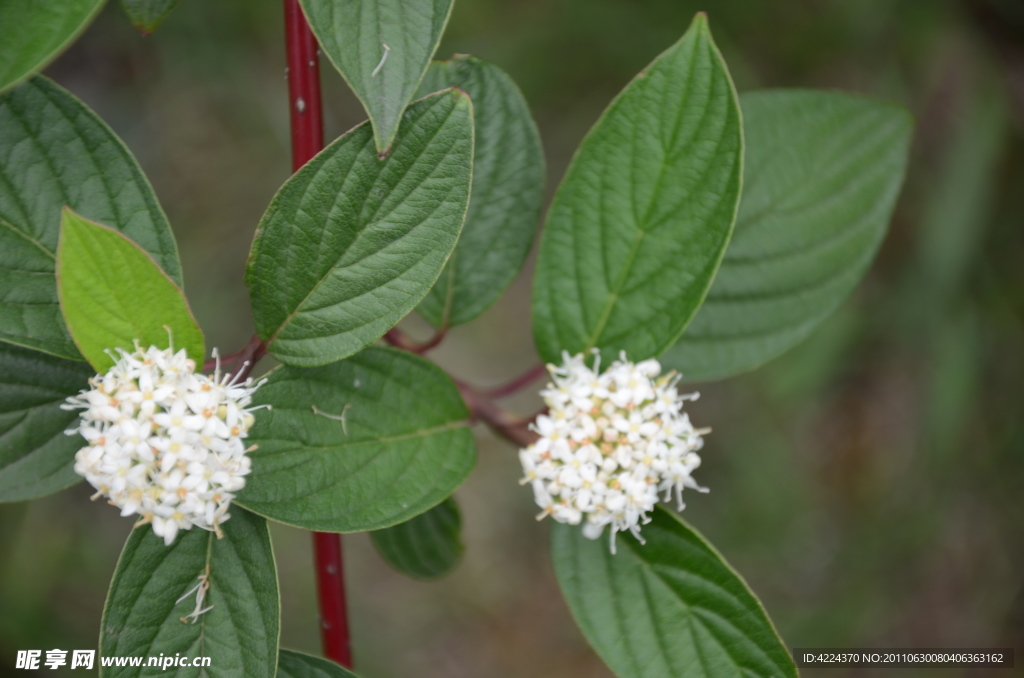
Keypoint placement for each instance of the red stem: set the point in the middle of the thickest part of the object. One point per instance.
(303, 86)
(519, 382)
(399, 339)
(330, 586)
(307, 141)
(504, 423)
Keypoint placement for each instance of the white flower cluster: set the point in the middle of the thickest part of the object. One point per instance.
(164, 442)
(609, 444)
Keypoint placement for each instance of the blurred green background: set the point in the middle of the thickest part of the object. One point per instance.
(868, 484)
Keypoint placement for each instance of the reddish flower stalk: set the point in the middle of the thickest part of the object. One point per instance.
(504, 423)
(399, 339)
(516, 384)
(509, 426)
(307, 141)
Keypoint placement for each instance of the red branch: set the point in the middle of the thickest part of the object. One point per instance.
(307, 141)
(501, 421)
(303, 86)
(330, 586)
(516, 384)
(401, 340)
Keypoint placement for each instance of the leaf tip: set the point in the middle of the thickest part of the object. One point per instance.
(462, 99)
(459, 94)
(456, 56)
(68, 217)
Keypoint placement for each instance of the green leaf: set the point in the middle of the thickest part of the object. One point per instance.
(146, 15)
(640, 222)
(35, 32)
(508, 187)
(426, 547)
(292, 664)
(388, 439)
(55, 152)
(112, 294)
(239, 634)
(36, 457)
(823, 171)
(381, 48)
(672, 607)
(352, 243)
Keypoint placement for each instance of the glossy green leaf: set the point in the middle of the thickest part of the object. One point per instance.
(639, 224)
(143, 616)
(292, 664)
(381, 48)
(55, 152)
(357, 445)
(146, 15)
(112, 294)
(823, 170)
(672, 607)
(426, 547)
(36, 456)
(508, 187)
(352, 243)
(34, 32)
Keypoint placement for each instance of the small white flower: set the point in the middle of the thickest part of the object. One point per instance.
(163, 442)
(610, 443)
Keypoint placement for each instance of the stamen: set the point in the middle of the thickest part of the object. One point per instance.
(237, 374)
(216, 368)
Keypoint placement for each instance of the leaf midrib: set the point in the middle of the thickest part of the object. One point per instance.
(715, 585)
(421, 433)
(298, 308)
(641, 230)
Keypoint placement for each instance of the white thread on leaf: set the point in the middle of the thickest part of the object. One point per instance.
(383, 58)
(336, 417)
(200, 590)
